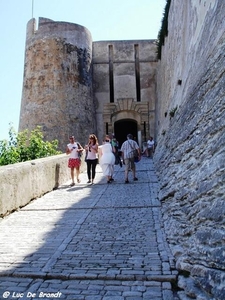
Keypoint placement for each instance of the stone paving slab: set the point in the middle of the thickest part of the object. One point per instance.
(101, 241)
(26, 288)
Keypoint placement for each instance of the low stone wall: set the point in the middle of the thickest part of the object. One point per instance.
(22, 182)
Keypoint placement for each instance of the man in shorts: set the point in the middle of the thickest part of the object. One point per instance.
(127, 150)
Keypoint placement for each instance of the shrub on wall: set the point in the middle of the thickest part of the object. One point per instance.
(26, 146)
(163, 32)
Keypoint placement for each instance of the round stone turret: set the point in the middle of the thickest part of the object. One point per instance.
(57, 86)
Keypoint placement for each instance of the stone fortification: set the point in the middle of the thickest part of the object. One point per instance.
(57, 86)
(22, 182)
(70, 89)
(190, 154)
(124, 86)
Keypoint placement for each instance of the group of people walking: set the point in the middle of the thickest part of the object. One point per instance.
(75, 151)
(106, 154)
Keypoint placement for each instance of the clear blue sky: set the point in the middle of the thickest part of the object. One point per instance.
(105, 19)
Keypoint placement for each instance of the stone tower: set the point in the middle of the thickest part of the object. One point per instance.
(57, 85)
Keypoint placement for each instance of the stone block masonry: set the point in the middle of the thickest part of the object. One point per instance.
(57, 86)
(190, 154)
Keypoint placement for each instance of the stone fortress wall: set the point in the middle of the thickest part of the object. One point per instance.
(124, 85)
(190, 154)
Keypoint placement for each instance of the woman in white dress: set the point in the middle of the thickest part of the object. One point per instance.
(107, 159)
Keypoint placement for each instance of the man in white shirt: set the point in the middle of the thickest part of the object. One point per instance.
(127, 150)
(150, 147)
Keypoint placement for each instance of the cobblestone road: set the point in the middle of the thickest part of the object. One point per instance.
(90, 242)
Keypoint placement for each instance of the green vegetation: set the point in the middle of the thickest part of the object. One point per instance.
(26, 146)
(163, 32)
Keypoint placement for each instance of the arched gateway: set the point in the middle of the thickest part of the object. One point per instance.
(124, 77)
(127, 116)
(123, 127)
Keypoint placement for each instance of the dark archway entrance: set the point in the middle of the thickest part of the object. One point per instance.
(123, 127)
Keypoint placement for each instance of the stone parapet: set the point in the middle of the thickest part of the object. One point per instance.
(22, 182)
